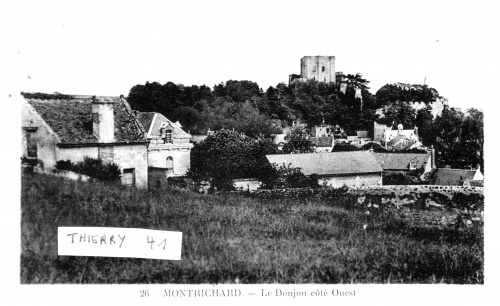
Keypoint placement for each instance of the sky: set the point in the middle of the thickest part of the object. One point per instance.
(106, 47)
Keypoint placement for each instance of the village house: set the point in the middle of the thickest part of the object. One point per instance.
(404, 162)
(352, 169)
(58, 127)
(400, 139)
(458, 177)
(322, 144)
(169, 150)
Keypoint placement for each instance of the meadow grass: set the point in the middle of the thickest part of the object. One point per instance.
(230, 238)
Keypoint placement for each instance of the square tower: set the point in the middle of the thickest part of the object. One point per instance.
(318, 68)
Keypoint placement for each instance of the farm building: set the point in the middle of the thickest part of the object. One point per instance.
(352, 169)
(58, 127)
(169, 151)
(458, 177)
(323, 144)
(403, 162)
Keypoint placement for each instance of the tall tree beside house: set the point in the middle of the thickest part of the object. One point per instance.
(298, 141)
(459, 138)
(425, 123)
(401, 113)
(473, 137)
(228, 155)
(448, 130)
(355, 84)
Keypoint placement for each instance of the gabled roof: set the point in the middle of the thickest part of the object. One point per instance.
(154, 121)
(401, 161)
(404, 133)
(453, 177)
(336, 163)
(395, 140)
(70, 117)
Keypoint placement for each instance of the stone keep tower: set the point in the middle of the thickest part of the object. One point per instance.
(318, 68)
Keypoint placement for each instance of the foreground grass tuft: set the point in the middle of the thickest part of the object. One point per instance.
(229, 238)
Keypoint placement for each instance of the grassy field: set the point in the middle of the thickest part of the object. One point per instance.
(235, 239)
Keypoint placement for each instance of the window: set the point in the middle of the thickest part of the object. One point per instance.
(31, 145)
(168, 137)
(323, 69)
(128, 177)
(170, 163)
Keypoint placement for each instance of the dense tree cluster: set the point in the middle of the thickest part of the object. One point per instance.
(458, 138)
(406, 93)
(244, 107)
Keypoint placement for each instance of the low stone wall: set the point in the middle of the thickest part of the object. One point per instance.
(429, 210)
(460, 207)
(421, 188)
(250, 185)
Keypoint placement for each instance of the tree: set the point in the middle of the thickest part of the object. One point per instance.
(240, 91)
(228, 155)
(390, 93)
(425, 123)
(298, 141)
(448, 130)
(343, 147)
(355, 82)
(473, 137)
(287, 176)
(401, 113)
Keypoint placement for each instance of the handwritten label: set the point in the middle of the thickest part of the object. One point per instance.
(119, 242)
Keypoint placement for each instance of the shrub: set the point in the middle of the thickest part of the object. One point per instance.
(93, 167)
(286, 176)
(64, 165)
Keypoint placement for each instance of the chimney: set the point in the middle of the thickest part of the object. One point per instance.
(433, 157)
(103, 121)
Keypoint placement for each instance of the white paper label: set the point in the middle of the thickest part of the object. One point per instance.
(119, 242)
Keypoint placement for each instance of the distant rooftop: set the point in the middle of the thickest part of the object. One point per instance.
(336, 163)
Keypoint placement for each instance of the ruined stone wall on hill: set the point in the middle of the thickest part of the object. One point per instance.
(416, 205)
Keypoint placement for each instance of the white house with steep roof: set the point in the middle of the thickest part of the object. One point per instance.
(169, 150)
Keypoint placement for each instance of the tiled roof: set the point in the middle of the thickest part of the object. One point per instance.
(146, 118)
(453, 177)
(401, 161)
(395, 140)
(335, 163)
(70, 117)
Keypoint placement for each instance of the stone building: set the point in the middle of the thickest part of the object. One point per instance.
(458, 177)
(352, 169)
(318, 68)
(404, 162)
(59, 127)
(169, 150)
